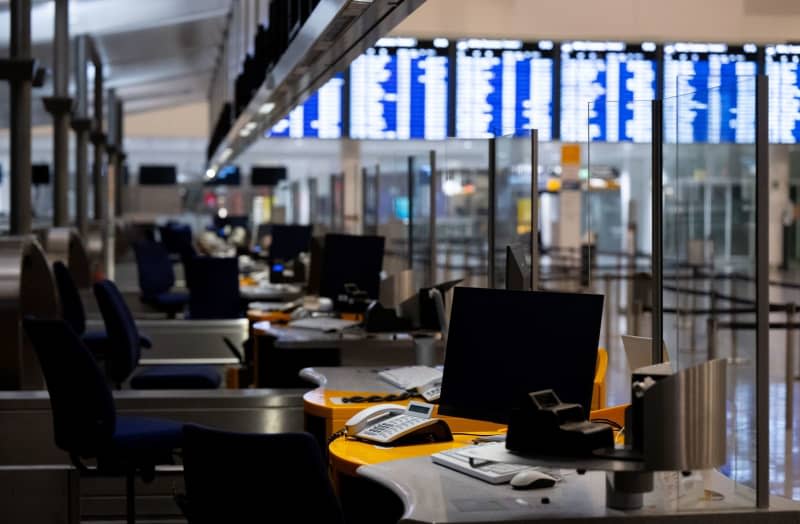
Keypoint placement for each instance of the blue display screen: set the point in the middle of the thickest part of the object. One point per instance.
(783, 69)
(320, 116)
(503, 87)
(398, 90)
(606, 89)
(709, 93)
(401, 208)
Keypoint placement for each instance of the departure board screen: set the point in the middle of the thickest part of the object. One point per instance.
(605, 91)
(398, 90)
(709, 93)
(320, 116)
(503, 87)
(783, 69)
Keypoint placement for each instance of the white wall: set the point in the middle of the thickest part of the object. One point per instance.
(633, 20)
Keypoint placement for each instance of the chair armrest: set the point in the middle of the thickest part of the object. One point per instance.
(145, 342)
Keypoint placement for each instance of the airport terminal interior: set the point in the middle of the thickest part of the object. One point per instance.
(418, 261)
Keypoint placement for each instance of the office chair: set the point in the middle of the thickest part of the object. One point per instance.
(214, 288)
(240, 477)
(156, 278)
(85, 422)
(175, 237)
(124, 350)
(599, 385)
(74, 314)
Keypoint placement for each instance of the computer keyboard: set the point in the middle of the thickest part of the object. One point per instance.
(491, 472)
(327, 324)
(411, 377)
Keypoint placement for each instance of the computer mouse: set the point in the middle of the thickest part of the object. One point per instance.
(532, 479)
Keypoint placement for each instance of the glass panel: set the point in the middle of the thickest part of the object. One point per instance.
(462, 212)
(709, 248)
(393, 212)
(513, 208)
(370, 200)
(420, 173)
(616, 214)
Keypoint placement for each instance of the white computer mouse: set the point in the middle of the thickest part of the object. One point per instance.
(532, 479)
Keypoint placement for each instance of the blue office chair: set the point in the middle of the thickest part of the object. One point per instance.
(74, 314)
(214, 288)
(124, 350)
(240, 477)
(156, 278)
(85, 422)
(175, 237)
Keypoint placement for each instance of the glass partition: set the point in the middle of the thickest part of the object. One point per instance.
(709, 292)
(393, 212)
(512, 208)
(419, 167)
(616, 232)
(369, 199)
(462, 206)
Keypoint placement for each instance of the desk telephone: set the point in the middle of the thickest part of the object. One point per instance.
(396, 424)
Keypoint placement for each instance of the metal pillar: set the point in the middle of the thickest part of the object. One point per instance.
(492, 169)
(99, 142)
(762, 291)
(411, 212)
(112, 179)
(120, 158)
(59, 105)
(657, 210)
(81, 125)
(535, 209)
(20, 101)
(432, 222)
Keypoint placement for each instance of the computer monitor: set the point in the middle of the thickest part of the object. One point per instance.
(503, 344)
(351, 259)
(515, 270)
(288, 241)
(40, 174)
(157, 175)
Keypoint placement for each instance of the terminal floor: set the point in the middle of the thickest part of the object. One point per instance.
(691, 343)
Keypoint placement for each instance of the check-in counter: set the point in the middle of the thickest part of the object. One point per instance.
(28, 446)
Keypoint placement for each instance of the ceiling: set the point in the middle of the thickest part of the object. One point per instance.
(156, 53)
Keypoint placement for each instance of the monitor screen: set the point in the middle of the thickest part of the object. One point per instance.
(515, 269)
(157, 175)
(709, 93)
(40, 174)
(606, 89)
(351, 259)
(398, 90)
(288, 241)
(402, 208)
(502, 345)
(267, 175)
(319, 116)
(503, 87)
(783, 69)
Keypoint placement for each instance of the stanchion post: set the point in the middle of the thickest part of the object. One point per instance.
(790, 314)
(607, 315)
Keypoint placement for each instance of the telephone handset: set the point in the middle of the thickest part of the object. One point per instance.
(392, 423)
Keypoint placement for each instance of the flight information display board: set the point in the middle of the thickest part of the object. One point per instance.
(398, 90)
(320, 116)
(709, 93)
(503, 87)
(606, 89)
(783, 69)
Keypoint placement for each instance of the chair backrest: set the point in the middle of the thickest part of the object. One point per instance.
(214, 288)
(155, 268)
(175, 236)
(83, 408)
(123, 335)
(240, 477)
(72, 310)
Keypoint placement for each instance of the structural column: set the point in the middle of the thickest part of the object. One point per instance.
(20, 91)
(98, 138)
(59, 105)
(82, 125)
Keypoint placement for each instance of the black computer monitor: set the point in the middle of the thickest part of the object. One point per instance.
(40, 174)
(428, 315)
(288, 241)
(515, 270)
(157, 175)
(504, 344)
(351, 259)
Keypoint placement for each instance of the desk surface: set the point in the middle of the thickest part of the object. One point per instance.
(432, 493)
